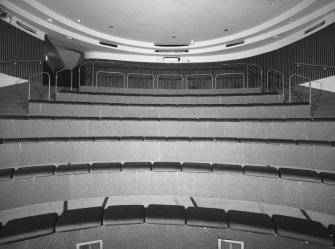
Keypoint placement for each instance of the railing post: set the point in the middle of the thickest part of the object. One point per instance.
(71, 80)
(93, 73)
(289, 88)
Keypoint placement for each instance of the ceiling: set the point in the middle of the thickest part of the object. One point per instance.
(193, 31)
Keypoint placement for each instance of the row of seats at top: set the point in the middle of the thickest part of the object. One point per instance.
(188, 167)
(84, 218)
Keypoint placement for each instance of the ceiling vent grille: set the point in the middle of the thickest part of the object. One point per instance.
(22, 25)
(234, 44)
(315, 27)
(170, 51)
(108, 44)
(170, 45)
(230, 244)
(90, 245)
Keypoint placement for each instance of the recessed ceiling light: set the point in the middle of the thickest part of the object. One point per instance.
(50, 20)
(291, 20)
(111, 27)
(275, 36)
(173, 37)
(225, 30)
(69, 38)
(192, 42)
(78, 21)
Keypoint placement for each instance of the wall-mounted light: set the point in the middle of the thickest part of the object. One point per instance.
(171, 59)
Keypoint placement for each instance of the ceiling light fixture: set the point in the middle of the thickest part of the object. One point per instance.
(111, 27)
(173, 37)
(78, 21)
(290, 20)
(50, 20)
(69, 38)
(225, 30)
(275, 36)
(192, 42)
(171, 59)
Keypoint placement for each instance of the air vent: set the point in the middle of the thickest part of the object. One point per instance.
(171, 51)
(315, 27)
(90, 245)
(31, 30)
(234, 44)
(230, 244)
(170, 45)
(108, 44)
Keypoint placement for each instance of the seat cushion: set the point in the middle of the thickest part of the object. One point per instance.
(166, 166)
(227, 168)
(301, 229)
(6, 174)
(105, 167)
(250, 222)
(300, 175)
(34, 171)
(78, 219)
(197, 167)
(136, 166)
(165, 214)
(72, 169)
(206, 217)
(123, 215)
(28, 228)
(328, 178)
(264, 171)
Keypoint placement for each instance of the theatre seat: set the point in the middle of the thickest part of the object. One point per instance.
(72, 169)
(123, 215)
(136, 166)
(328, 178)
(6, 174)
(196, 167)
(300, 175)
(301, 229)
(250, 222)
(166, 166)
(78, 219)
(105, 167)
(165, 214)
(264, 171)
(206, 217)
(34, 171)
(227, 168)
(331, 230)
(28, 228)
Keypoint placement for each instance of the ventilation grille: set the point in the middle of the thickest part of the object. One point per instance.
(108, 44)
(234, 44)
(230, 244)
(90, 245)
(315, 27)
(22, 25)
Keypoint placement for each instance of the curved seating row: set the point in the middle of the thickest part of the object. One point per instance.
(78, 219)
(188, 167)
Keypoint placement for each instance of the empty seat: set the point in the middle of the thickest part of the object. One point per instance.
(206, 217)
(250, 222)
(300, 175)
(34, 171)
(165, 214)
(28, 228)
(328, 178)
(105, 167)
(227, 168)
(78, 219)
(264, 171)
(166, 166)
(136, 166)
(123, 215)
(72, 169)
(197, 167)
(301, 229)
(6, 174)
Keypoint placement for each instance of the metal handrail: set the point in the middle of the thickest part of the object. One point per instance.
(118, 63)
(22, 62)
(223, 74)
(267, 79)
(178, 75)
(254, 65)
(290, 84)
(49, 95)
(57, 76)
(79, 69)
(199, 75)
(124, 77)
(149, 74)
(315, 66)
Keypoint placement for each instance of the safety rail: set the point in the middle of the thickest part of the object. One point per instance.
(290, 86)
(107, 72)
(315, 66)
(268, 79)
(57, 76)
(147, 74)
(174, 75)
(79, 70)
(261, 74)
(193, 75)
(224, 74)
(49, 84)
(22, 62)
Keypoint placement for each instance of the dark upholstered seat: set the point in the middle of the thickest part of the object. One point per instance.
(34, 171)
(227, 168)
(78, 219)
(197, 167)
(165, 214)
(250, 222)
(301, 229)
(206, 217)
(105, 167)
(281, 141)
(6, 174)
(331, 230)
(72, 169)
(166, 166)
(136, 166)
(328, 178)
(314, 142)
(124, 214)
(28, 228)
(265, 171)
(300, 175)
